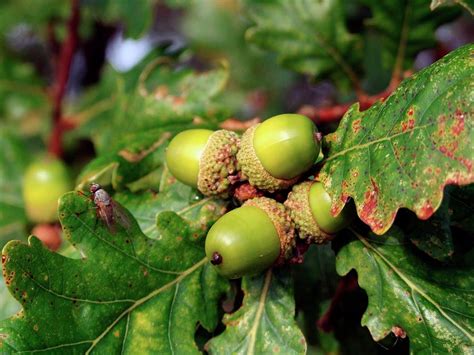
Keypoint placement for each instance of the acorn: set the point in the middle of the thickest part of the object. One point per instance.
(204, 159)
(309, 206)
(251, 238)
(274, 153)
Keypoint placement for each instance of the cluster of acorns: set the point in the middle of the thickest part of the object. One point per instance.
(270, 156)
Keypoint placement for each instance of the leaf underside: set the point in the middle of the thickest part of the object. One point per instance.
(431, 303)
(402, 152)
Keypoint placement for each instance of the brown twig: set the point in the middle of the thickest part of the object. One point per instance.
(61, 78)
(346, 285)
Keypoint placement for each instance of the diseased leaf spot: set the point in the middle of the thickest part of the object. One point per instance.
(356, 126)
(369, 206)
(399, 332)
(458, 126)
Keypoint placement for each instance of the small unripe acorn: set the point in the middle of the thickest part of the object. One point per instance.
(45, 180)
(310, 208)
(250, 238)
(277, 151)
(204, 159)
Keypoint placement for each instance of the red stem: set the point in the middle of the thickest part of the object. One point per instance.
(346, 285)
(68, 48)
(334, 113)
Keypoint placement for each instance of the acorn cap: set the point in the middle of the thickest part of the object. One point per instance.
(218, 161)
(252, 168)
(282, 222)
(298, 204)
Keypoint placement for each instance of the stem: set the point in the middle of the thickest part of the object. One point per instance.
(347, 284)
(62, 75)
(334, 113)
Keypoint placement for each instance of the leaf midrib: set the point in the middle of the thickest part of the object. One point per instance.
(378, 117)
(128, 311)
(259, 313)
(144, 300)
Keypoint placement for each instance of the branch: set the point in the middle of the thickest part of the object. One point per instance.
(62, 75)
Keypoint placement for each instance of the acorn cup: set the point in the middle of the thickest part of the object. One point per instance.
(251, 238)
(309, 206)
(204, 159)
(274, 153)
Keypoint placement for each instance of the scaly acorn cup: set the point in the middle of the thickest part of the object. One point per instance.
(250, 238)
(310, 208)
(274, 153)
(204, 159)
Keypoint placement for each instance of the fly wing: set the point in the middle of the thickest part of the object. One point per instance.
(106, 215)
(120, 215)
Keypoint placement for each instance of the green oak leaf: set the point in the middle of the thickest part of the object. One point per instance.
(309, 37)
(406, 26)
(128, 293)
(136, 156)
(183, 200)
(151, 97)
(430, 302)
(265, 323)
(402, 152)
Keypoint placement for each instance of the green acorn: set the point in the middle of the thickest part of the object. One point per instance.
(275, 153)
(250, 238)
(204, 159)
(310, 208)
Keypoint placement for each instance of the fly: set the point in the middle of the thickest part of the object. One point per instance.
(108, 211)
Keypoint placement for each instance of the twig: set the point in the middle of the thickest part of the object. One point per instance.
(62, 75)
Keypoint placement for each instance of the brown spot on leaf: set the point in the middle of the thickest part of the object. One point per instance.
(369, 206)
(399, 332)
(356, 126)
(458, 126)
(426, 211)
(408, 125)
